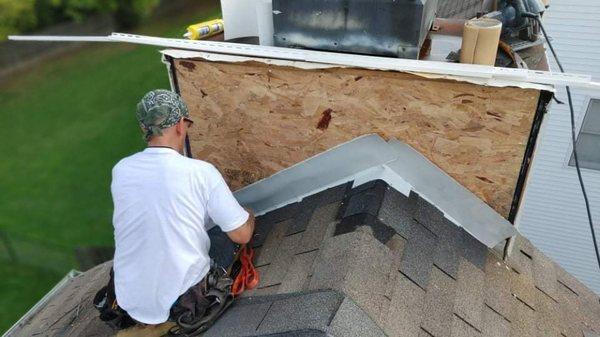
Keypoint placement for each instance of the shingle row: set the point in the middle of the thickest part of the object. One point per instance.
(370, 261)
(415, 273)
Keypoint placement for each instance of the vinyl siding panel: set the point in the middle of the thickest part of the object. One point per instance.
(553, 214)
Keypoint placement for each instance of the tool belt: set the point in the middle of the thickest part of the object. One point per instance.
(198, 308)
(110, 312)
(193, 312)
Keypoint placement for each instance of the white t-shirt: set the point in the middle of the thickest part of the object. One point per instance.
(162, 203)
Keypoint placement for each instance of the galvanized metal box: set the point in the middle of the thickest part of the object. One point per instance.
(377, 27)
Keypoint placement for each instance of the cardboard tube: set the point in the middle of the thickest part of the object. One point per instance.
(480, 41)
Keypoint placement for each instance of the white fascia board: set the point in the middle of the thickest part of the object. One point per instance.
(341, 59)
(213, 57)
(362, 61)
(190, 54)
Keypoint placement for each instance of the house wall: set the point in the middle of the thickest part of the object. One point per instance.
(254, 119)
(553, 214)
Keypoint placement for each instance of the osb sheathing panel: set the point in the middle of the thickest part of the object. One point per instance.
(253, 120)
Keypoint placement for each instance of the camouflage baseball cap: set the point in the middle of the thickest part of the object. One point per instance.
(160, 109)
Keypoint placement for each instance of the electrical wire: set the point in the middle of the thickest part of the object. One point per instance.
(573, 137)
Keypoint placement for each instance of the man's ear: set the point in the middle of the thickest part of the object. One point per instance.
(180, 126)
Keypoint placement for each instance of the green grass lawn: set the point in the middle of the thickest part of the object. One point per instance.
(64, 124)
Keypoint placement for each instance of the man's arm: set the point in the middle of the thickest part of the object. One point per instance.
(243, 234)
(226, 212)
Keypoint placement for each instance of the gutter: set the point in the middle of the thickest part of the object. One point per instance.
(41, 303)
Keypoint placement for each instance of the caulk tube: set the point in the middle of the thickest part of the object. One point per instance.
(205, 29)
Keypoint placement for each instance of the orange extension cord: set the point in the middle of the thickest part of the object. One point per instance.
(247, 278)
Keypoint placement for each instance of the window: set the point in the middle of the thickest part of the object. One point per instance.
(588, 141)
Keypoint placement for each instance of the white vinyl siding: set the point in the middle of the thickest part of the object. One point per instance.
(552, 214)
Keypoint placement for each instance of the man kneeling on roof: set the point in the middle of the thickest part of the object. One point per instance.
(163, 202)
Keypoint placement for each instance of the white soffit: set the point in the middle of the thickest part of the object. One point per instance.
(339, 59)
(368, 158)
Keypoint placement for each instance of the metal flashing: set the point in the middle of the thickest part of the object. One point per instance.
(168, 62)
(386, 174)
(351, 60)
(368, 158)
(449, 196)
(327, 169)
(541, 110)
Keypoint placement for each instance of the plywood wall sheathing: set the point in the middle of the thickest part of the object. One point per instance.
(253, 120)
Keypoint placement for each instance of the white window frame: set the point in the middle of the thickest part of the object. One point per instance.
(580, 118)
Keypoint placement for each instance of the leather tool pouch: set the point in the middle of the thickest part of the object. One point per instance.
(110, 312)
(199, 307)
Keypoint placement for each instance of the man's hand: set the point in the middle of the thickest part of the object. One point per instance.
(243, 234)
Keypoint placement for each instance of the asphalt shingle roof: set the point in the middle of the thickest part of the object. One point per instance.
(370, 261)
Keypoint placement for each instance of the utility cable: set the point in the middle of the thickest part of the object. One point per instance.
(573, 136)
